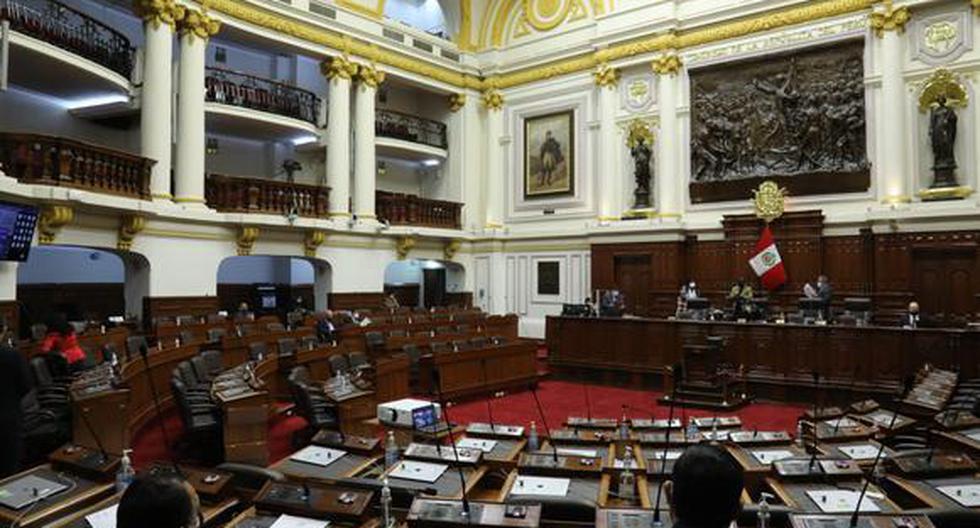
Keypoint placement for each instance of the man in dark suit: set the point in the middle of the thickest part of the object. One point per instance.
(15, 385)
(911, 318)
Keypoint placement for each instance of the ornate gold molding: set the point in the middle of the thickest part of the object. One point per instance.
(247, 235)
(313, 240)
(639, 129)
(890, 19)
(451, 248)
(339, 67)
(370, 75)
(199, 24)
(157, 12)
(605, 76)
(403, 245)
(493, 99)
(375, 13)
(457, 101)
(667, 64)
(769, 201)
(976, 6)
(943, 83)
(129, 226)
(52, 219)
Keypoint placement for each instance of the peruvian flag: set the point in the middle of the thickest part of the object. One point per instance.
(766, 262)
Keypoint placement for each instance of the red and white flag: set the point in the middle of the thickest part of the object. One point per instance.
(766, 262)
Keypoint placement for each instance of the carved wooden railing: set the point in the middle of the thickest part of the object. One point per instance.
(62, 26)
(248, 91)
(253, 195)
(396, 125)
(408, 209)
(52, 160)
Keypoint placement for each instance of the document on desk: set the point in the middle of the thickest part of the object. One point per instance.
(581, 453)
(318, 456)
(540, 486)
(477, 443)
(768, 456)
(291, 521)
(842, 501)
(420, 471)
(104, 518)
(861, 451)
(975, 435)
(658, 454)
(841, 423)
(966, 495)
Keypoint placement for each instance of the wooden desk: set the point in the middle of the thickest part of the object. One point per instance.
(251, 518)
(353, 408)
(483, 370)
(103, 411)
(212, 512)
(778, 358)
(925, 493)
(246, 410)
(315, 501)
(82, 493)
(793, 494)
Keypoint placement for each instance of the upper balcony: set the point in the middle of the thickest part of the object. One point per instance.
(233, 194)
(47, 38)
(241, 104)
(407, 136)
(51, 160)
(411, 210)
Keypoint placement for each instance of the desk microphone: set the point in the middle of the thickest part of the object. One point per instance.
(867, 480)
(144, 352)
(103, 455)
(452, 441)
(20, 518)
(483, 368)
(588, 404)
(544, 422)
(663, 463)
(306, 493)
(816, 418)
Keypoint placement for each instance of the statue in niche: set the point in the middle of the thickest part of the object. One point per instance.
(942, 134)
(642, 154)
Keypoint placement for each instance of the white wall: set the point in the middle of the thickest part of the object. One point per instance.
(263, 269)
(420, 14)
(23, 111)
(70, 265)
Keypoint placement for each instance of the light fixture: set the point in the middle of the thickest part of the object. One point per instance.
(430, 163)
(95, 100)
(304, 140)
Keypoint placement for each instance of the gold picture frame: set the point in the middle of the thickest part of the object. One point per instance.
(549, 155)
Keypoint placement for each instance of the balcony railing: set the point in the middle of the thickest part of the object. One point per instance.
(52, 160)
(248, 91)
(252, 195)
(62, 26)
(408, 209)
(396, 125)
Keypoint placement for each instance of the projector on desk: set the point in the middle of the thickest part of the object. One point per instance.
(409, 412)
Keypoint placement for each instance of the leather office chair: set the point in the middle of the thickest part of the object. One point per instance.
(134, 344)
(42, 429)
(286, 347)
(257, 351)
(374, 341)
(201, 396)
(358, 360)
(51, 393)
(189, 377)
(414, 355)
(275, 328)
(215, 334)
(338, 363)
(186, 337)
(201, 370)
(201, 421)
(311, 404)
(213, 360)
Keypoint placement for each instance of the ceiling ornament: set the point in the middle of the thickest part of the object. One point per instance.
(942, 83)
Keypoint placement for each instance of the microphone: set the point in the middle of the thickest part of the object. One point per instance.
(103, 454)
(544, 422)
(867, 480)
(306, 493)
(663, 463)
(144, 352)
(483, 368)
(452, 440)
(588, 404)
(816, 418)
(850, 390)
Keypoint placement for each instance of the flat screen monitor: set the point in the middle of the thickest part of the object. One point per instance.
(17, 224)
(267, 297)
(857, 304)
(810, 305)
(698, 303)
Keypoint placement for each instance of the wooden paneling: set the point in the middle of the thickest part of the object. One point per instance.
(407, 294)
(940, 269)
(90, 301)
(354, 301)
(174, 306)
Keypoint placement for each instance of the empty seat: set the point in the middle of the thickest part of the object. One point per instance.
(201, 369)
(286, 347)
(358, 360)
(215, 334)
(213, 360)
(186, 337)
(275, 327)
(375, 341)
(257, 351)
(338, 363)
(134, 344)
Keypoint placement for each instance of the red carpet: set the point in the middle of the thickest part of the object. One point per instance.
(559, 399)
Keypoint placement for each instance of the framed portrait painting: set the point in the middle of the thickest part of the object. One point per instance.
(549, 155)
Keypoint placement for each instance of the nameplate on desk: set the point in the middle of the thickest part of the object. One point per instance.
(768, 456)
(104, 518)
(717, 421)
(841, 423)
(418, 471)
(540, 486)
(513, 431)
(670, 455)
(480, 444)
(443, 453)
(581, 453)
(318, 456)
(291, 521)
(842, 501)
(643, 423)
(758, 436)
(966, 495)
(861, 451)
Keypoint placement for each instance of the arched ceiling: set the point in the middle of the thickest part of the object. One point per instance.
(504, 21)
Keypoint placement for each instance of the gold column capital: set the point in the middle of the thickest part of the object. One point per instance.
(157, 12)
(451, 248)
(245, 240)
(667, 64)
(403, 245)
(493, 99)
(52, 219)
(339, 67)
(313, 240)
(457, 101)
(199, 24)
(370, 75)
(129, 226)
(891, 19)
(605, 76)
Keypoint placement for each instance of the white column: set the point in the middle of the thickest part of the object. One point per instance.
(669, 191)
(155, 98)
(365, 162)
(608, 155)
(892, 170)
(466, 149)
(339, 71)
(195, 30)
(495, 178)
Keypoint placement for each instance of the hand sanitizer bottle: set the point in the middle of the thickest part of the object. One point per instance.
(391, 450)
(126, 473)
(532, 439)
(627, 481)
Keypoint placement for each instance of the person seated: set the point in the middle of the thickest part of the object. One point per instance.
(360, 319)
(326, 330)
(159, 501)
(822, 291)
(740, 297)
(590, 307)
(705, 488)
(911, 318)
(390, 302)
(61, 339)
(689, 290)
(244, 313)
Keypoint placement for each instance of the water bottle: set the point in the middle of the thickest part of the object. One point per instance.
(126, 473)
(391, 450)
(626, 479)
(624, 429)
(799, 433)
(692, 430)
(532, 439)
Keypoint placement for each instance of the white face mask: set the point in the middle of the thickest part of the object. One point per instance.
(692, 285)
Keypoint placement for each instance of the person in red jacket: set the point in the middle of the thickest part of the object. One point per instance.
(62, 339)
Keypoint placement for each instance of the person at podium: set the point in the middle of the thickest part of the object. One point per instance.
(822, 292)
(911, 318)
(689, 290)
(740, 297)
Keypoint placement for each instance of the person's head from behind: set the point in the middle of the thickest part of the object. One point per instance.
(913, 307)
(705, 488)
(158, 501)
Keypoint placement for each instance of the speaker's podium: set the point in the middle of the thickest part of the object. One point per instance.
(701, 379)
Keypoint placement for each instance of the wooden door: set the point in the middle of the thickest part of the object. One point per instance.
(434, 284)
(943, 283)
(632, 276)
